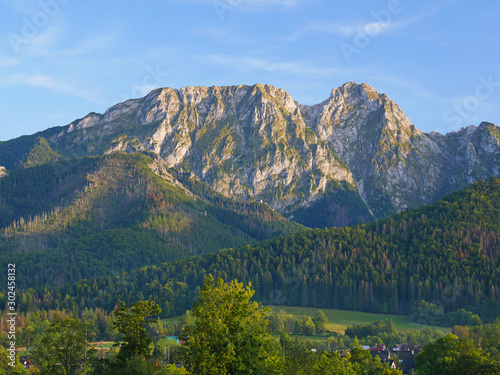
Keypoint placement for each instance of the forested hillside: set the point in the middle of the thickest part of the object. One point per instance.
(447, 254)
(68, 220)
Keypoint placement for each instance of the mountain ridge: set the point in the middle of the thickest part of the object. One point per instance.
(257, 143)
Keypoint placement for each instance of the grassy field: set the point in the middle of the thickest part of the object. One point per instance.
(338, 320)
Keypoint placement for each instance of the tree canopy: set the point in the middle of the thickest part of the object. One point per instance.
(132, 323)
(229, 334)
(63, 349)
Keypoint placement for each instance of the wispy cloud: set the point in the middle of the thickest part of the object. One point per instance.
(32, 80)
(7, 61)
(42, 43)
(371, 27)
(248, 63)
(93, 44)
(256, 4)
(47, 82)
(22, 6)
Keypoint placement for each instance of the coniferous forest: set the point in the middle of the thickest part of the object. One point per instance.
(447, 252)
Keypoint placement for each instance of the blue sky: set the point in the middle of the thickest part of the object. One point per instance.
(61, 59)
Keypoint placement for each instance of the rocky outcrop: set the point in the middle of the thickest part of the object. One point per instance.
(245, 141)
(384, 151)
(395, 165)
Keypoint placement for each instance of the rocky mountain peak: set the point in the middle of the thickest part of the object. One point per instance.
(351, 91)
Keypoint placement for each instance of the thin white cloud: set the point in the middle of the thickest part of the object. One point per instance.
(7, 61)
(30, 80)
(253, 4)
(247, 63)
(41, 43)
(46, 82)
(93, 44)
(22, 6)
(371, 27)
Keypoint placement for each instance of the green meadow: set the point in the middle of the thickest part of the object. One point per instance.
(338, 320)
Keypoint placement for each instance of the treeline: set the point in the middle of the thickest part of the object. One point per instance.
(383, 332)
(99, 323)
(340, 206)
(370, 334)
(373, 329)
(259, 220)
(13, 151)
(434, 314)
(280, 322)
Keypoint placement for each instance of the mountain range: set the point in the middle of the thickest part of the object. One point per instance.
(349, 159)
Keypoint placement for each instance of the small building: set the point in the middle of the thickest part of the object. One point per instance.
(25, 361)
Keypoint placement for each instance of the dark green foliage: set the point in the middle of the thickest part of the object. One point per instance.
(132, 323)
(39, 154)
(298, 325)
(256, 219)
(431, 313)
(12, 152)
(301, 358)
(371, 329)
(338, 341)
(363, 363)
(340, 206)
(26, 152)
(452, 356)
(36, 192)
(486, 336)
(320, 321)
(63, 348)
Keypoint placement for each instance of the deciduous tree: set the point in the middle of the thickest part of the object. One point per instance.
(131, 323)
(229, 334)
(64, 347)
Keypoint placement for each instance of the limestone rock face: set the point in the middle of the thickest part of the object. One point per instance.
(395, 165)
(245, 141)
(384, 151)
(256, 142)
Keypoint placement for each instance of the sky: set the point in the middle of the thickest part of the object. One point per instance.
(62, 59)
